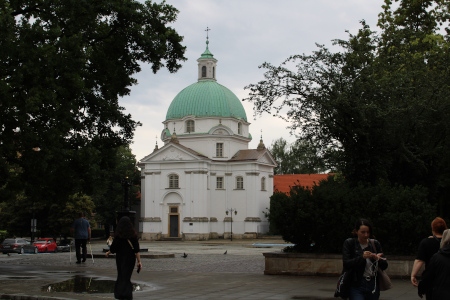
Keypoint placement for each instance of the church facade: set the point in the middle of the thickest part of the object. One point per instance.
(204, 182)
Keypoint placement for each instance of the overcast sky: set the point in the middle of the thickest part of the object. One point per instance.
(244, 34)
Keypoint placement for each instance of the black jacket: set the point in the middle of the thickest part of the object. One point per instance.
(353, 260)
(436, 278)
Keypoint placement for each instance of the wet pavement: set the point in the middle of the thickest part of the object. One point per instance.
(206, 273)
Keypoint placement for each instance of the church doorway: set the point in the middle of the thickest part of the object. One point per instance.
(174, 222)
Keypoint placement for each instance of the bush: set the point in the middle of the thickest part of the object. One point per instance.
(3, 235)
(320, 219)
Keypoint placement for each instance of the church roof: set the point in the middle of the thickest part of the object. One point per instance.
(207, 53)
(206, 98)
(248, 154)
(283, 183)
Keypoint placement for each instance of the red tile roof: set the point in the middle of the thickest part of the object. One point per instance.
(283, 183)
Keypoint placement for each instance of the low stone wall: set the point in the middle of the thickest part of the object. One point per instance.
(308, 264)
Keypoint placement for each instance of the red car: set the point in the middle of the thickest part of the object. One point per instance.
(46, 245)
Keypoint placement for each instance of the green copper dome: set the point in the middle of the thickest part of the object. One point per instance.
(206, 98)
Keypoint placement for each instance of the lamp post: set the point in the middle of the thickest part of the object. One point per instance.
(33, 224)
(231, 211)
(126, 202)
(126, 184)
(33, 217)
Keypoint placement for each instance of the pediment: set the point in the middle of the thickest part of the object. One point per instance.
(172, 152)
(266, 158)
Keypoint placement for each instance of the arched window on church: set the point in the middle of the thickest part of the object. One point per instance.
(173, 181)
(239, 183)
(240, 128)
(263, 184)
(204, 71)
(214, 72)
(190, 126)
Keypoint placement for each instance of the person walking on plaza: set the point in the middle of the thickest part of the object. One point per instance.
(362, 257)
(126, 246)
(81, 231)
(427, 248)
(435, 283)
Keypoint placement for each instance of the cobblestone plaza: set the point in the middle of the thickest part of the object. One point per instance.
(206, 273)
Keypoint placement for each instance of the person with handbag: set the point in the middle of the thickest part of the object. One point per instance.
(362, 259)
(427, 248)
(126, 247)
(436, 280)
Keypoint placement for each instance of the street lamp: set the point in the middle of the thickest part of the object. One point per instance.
(33, 224)
(33, 218)
(126, 184)
(231, 210)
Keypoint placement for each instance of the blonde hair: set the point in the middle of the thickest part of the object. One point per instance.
(445, 238)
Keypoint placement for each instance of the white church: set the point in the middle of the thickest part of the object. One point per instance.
(205, 183)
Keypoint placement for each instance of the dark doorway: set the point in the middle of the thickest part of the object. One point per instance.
(173, 225)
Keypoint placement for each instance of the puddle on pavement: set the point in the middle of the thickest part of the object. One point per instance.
(86, 285)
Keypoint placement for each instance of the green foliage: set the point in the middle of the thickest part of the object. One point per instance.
(298, 158)
(320, 219)
(106, 197)
(3, 235)
(109, 196)
(65, 65)
(378, 108)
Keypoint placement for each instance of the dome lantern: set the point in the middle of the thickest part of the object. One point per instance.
(206, 98)
(207, 63)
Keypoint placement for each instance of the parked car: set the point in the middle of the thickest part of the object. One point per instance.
(46, 245)
(17, 245)
(64, 245)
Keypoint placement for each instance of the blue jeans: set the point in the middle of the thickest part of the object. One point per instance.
(364, 290)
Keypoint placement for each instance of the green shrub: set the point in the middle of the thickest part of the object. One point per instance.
(320, 219)
(3, 235)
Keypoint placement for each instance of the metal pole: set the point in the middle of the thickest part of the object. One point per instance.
(231, 210)
(33, 225)
(232, 226)
(126, 184)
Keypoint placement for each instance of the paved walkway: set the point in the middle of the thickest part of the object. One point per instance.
(206, 273)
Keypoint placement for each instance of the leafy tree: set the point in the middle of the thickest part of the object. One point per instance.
(280, 152)
(105, 197)
(64, 66)
(109, 197)
(297, 158)
(60, 217)
(378, 109)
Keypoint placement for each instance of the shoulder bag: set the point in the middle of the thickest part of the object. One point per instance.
(384, 280)
(343, 285)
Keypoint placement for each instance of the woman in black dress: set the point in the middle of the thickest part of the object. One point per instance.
(126, 247)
